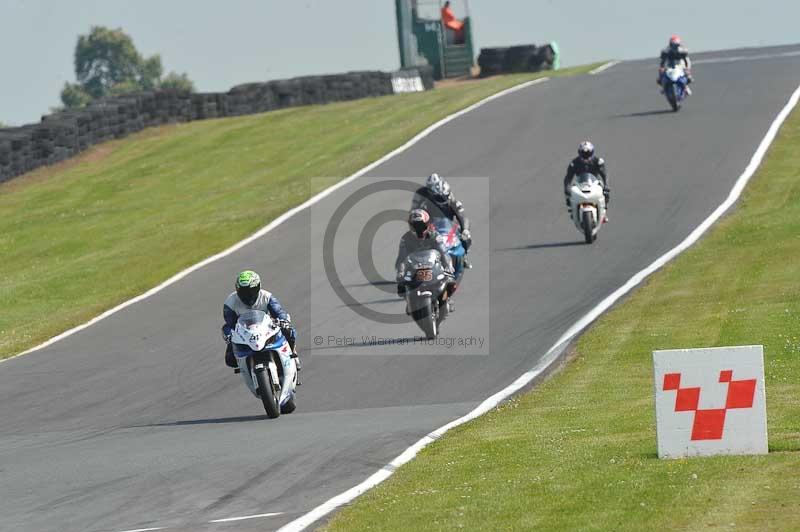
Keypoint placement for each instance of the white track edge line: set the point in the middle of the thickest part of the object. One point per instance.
(745, 58)
(231, 519)
(282, 218)
(551, 356)
(603, 67)
(145, 529)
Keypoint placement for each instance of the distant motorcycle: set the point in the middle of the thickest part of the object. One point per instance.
(265, 361)
(674, 83)
(425, 279)
(451, 232)
(587, 205)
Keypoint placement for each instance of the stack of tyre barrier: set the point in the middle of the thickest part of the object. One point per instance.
(524, 58)
(62, 135)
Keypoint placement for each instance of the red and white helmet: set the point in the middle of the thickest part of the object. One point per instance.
(674, 42)
(419, 221)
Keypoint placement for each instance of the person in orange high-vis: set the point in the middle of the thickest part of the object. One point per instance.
(450, 21)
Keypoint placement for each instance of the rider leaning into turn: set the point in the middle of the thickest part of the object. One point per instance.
(249, 296)
(586, 162)
(421, 235)
(436, 197)
(675, 53)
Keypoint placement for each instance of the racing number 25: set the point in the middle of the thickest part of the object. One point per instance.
(424, 275)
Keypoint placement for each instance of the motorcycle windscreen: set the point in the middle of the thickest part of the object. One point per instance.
(426, 258)
(252, 317)
(587, 179)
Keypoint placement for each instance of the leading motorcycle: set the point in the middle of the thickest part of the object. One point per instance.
(587, 205)
(674, 83)
(264, 360)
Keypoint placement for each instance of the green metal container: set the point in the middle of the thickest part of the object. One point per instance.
(425, 41)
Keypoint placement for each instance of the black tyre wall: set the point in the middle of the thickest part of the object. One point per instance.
(65, 134)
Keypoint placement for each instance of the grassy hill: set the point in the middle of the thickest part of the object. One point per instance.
(83, 236)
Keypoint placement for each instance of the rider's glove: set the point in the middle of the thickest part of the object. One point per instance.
(401, 290)
(226, 338)
(466, 235)
(284, 324)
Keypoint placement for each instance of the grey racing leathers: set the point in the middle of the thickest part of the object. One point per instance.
(410, 243)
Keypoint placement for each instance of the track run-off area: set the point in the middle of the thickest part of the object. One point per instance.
(134, 423)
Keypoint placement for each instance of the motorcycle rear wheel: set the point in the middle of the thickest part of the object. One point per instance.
(267, 393)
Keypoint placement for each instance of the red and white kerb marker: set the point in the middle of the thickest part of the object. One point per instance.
(710, 401)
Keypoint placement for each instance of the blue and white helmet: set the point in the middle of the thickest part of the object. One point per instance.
(433, 180)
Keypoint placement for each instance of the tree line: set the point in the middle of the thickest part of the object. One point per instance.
(108, 64)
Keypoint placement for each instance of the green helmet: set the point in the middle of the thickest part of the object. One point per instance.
(248, 286)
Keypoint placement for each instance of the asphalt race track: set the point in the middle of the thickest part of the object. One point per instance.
(136, 423)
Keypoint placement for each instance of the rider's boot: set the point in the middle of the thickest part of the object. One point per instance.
(230, 359)
(298, 365)
(451, 288)
(292, 340)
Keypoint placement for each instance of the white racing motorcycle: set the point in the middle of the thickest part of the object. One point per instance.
(265, 361)
(587, 205)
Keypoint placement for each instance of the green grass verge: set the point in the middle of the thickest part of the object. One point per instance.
(81, 237)
(579, 451)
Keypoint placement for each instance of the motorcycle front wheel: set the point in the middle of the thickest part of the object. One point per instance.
(673, 98)
(586, 224)
(266, 391)
(426, 319)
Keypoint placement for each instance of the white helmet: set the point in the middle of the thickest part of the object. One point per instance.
(433, 180)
